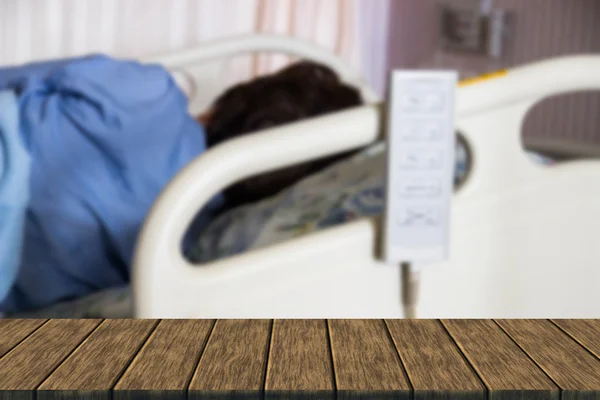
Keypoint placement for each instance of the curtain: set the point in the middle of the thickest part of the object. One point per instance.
(44, 29)
(373, 37)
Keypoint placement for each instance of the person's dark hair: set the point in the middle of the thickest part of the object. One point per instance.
(302, 90)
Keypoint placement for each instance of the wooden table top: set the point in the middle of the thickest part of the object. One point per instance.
(403, 359)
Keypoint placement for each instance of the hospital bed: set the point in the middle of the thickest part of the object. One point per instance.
(522, 240)
(523, 237)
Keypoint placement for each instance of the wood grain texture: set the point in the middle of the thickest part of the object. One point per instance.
(571, 366)
(300, 360)
(92, 370)
(234, 360)
(584, 331)
(434, 364)
(13, 331)
(365, 360)
(165, 364)
(370, 359)
(507, 372)
(28, 364)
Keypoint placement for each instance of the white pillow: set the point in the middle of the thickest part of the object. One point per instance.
(185, 83)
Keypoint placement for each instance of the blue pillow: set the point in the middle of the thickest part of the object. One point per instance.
(14, 190)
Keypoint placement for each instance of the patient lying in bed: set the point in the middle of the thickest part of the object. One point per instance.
(106, 136)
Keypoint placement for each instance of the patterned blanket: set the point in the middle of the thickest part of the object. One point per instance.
(352, 188)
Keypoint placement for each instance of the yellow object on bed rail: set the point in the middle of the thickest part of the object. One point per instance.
(484, 77)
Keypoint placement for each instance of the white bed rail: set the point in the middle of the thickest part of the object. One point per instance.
(499, 157)
(208, 82)
(499, 165)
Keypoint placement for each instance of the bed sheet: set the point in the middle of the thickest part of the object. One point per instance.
(350, 189)
(110, 303)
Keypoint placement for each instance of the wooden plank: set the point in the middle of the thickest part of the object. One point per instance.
(92, 370)
(366, 364)
(585, 331)
(28, 364)
(514, 359)
(300, 361)
(434, 364)
(13, 331)
(506, 371)
(234, 360)
(164, 366)
(570, 365)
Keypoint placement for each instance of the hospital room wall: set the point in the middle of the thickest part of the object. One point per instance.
(44, 29)
(543, 29)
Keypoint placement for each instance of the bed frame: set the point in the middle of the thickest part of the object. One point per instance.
(524, 238)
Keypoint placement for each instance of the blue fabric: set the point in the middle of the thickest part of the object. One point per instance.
(14, 190)
(105, 137)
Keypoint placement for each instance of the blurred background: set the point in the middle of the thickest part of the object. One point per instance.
(374, 35)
